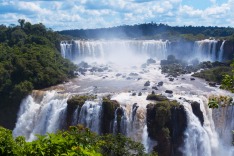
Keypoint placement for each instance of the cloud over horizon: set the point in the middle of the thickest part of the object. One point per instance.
(83, 14)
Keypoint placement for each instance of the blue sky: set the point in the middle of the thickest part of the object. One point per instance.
(82, 14)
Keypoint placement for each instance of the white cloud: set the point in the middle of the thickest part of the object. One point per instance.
(68, 14)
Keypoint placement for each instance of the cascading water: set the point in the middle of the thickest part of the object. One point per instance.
(205, 139)
(107, 49)
(89, 115)
(66, 49)
(220, 59)
(40, 114)
(205, 50)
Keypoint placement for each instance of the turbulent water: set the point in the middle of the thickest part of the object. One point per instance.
(122, 75)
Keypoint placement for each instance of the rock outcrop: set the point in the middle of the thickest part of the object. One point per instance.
(76, 101)
(166, 121)
(197, 111)
(108, 115)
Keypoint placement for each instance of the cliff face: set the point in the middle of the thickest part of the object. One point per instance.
(185, 49)
(109, 110)
(228, 50)
(166, 123)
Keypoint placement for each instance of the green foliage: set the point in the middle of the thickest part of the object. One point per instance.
(219, 101)
(156, 97)
(154, 31)
(119, 145)
(228, 80)
(191, 37)
(213, 104)
(22, 89)
(79, 100)
(6, 142)
(29, 59)
(214, 74)
(76, 141)
(163, 112)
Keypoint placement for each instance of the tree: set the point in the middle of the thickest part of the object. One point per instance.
(21, 22)
(228, 80)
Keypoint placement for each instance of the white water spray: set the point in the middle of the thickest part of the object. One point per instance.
(205, 50)
(221, 52)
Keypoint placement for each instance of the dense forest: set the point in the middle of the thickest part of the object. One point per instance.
(154, 31)
(29, 59)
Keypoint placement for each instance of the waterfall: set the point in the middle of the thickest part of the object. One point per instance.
(224, 123)
(205, 50)
(39, 116)
(90, 115)
(66, 49)
(45, 111)
(207, 139)
(220, 59)
(78, 49)
(133, 125)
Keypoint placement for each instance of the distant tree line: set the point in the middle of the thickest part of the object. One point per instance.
(153, 31)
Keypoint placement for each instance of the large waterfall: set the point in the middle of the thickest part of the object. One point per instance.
(203, 50)
(207, 50)
(208, 132)
(110, 49)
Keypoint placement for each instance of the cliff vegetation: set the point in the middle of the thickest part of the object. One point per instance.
(29, 59)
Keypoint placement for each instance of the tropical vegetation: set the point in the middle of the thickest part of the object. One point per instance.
(154, 31)
(73, 142)
(29, 59)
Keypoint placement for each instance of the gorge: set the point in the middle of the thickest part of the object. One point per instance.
(112, 78)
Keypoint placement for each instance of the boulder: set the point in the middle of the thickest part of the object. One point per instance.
(139, 94)
(83, 65)
(147, 83)
(82, 70)
(171, 79)
(169, 91)
(133, 94)
(212, 84)
(150, 61)
(105, 68)
(160, 84)
(100, 70)
(133, 74)
(156, 97)
(197, 111)
(155, 87)
(192, 79)
(128, 78)
(93, 69)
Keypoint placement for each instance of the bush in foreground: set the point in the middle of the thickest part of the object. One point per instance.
(76, 141)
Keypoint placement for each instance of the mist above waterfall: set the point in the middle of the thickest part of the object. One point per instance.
(120, 52)
(134, 52)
